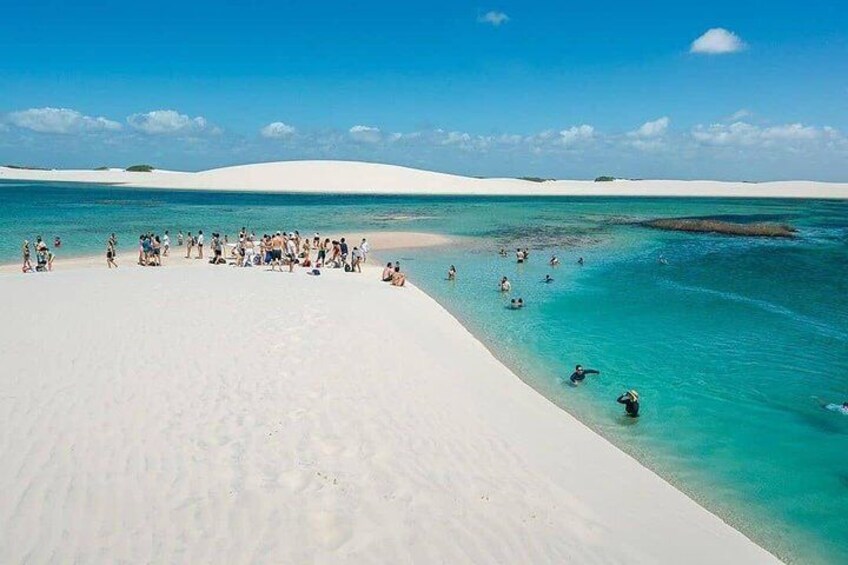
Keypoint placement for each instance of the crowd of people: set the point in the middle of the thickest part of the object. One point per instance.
(43, 255)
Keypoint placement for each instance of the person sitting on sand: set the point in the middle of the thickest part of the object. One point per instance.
(452, 273)
(580, 373)
(554, 261)
(398, 278)
(388, 271)
(27, 266)
(505, 285)
(630, 399)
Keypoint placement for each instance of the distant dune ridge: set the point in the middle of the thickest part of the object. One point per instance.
(352, 177)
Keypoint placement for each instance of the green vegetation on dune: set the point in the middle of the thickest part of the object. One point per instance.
(140, 169)
(535, 179)
(26, 168)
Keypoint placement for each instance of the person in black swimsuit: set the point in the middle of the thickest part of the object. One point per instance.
(580, 373)
(630, 399)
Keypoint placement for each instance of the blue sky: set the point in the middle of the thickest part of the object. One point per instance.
(554, 89)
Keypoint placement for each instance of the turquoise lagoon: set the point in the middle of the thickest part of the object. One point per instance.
(735, 345)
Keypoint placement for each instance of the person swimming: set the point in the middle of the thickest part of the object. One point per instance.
(452, 273)
(580, 261)
(548, 279)
(516, 304)
(843, 408)
(580, 373)
(554, 261)
(662, 260)
(630, 399)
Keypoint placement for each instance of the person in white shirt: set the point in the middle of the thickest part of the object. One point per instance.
(166, 244)
(505, 285)
(364, 248)
(291, 253)
(200, 244)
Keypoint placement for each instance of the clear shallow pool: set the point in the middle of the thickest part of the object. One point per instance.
(734, 346)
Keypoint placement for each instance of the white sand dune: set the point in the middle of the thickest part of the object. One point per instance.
(373, 178)
(223, 415)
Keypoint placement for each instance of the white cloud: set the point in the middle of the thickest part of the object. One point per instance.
(277, 130)
(366, 134)
(748, 135)
(717, 41)
(576, 134)
(494, 18)
(60, 120)
(166, 122)
(739, 115)
(656, 128)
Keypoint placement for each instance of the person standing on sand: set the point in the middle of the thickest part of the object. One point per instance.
(180, 238)
(364, 247)
(110, 254)
(291, 253)
(166, 244)
(277, 251)
(189, 242)
(343, 249)
(200, 244)
(356, 260)
(27, 266)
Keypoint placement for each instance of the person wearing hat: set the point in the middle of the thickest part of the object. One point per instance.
(630, 399)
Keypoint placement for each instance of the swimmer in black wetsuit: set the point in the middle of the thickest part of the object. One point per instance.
(630, 399)
(580, 373)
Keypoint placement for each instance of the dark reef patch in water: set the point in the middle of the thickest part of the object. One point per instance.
(710, 225)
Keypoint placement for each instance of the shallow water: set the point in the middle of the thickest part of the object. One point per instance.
(736, 345)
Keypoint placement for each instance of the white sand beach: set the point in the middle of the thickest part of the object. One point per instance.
(224, 415)
(347, 177)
